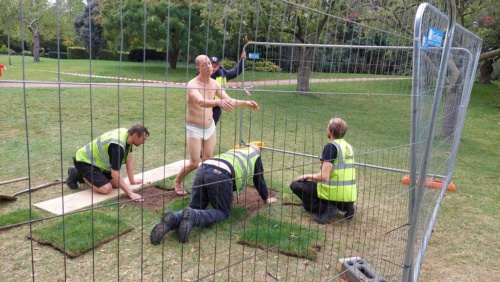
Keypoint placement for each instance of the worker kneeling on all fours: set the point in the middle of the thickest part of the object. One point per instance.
(333, 189)
(214, 183)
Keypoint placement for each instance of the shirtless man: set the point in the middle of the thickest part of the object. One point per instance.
(200, 125)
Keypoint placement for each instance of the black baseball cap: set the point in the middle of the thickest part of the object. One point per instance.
(214, 60)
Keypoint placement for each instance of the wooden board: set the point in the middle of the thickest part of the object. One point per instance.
(86, 198)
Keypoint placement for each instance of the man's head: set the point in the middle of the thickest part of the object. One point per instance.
(137, 135)
(256, 149)
(215, 64)
(337, 128)
(203, 65)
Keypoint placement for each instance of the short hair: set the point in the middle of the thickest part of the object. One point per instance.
(198, 59)
(255, 148)
(337, 127)
(141, 130)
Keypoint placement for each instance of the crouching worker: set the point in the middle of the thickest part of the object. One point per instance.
(214, 183)
(333, 189)
(99, 162)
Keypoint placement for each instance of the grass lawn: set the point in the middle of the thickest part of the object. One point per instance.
(43, 127)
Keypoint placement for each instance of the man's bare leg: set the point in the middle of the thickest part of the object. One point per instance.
(209, 146)
(194, 147)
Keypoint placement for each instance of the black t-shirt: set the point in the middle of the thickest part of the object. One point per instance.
(116, 154)
(329, 153)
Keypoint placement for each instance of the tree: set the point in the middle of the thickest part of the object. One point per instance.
(89, 30)
(174, 26)
(33, 28)
(9, 11)
(303, 22)
(39, 18)
(487, 25)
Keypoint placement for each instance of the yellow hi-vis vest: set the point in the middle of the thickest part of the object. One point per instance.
(243, 162)
(222, 81)
(96, 152)
(342, 184)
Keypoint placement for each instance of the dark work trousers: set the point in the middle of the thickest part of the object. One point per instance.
(216, 113)
(211, 185)
(307, 191)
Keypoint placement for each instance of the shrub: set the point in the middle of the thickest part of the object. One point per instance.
(262, 66)
(113, 55)
(76, 53)
(228, 64)
(136, 55)
(4, 50)
(58, 55)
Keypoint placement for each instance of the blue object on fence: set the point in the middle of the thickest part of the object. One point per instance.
(435, 37)
(253, 55)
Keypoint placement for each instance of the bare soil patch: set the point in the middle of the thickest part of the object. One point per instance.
(155, 198)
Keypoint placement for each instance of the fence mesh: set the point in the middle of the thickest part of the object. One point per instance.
(307, 61)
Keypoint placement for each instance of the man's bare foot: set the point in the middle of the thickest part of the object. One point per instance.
(179, 190)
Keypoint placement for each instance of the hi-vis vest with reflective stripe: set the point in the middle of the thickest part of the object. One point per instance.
(96, 152)
(243, 162)
(222, 81)
(342, 184)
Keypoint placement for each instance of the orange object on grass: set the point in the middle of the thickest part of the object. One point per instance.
(432, 183)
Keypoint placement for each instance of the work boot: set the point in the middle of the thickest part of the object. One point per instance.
(187, 223)
(73, 177)
(330, 211)
(350, 213)
(168, 222)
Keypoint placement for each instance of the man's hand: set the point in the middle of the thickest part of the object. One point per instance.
(303, 177)
(243, 55)
(270, 200)
(226, 105)
(135, 197)
(253, 105)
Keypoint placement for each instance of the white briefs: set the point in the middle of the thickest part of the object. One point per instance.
(196, 131)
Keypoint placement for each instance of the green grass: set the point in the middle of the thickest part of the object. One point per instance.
(19, 215)
(287, 238)
(57, 123)
(53, 70)
(78, 233)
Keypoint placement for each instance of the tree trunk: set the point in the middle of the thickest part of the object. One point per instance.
(304, 70)
(172, 58)
(451, 110)
(303, 75)
(8, 46)
(36, 45)
(485, 71)
(454, 90)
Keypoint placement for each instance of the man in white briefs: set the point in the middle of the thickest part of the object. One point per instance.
(200, 125)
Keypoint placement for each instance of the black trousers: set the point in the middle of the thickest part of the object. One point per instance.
(307, 191)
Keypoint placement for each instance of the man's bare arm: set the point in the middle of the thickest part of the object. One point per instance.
(122, 185)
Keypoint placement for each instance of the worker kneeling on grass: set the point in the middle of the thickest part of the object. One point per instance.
(333, 189)
(99, 162)
(214, 183)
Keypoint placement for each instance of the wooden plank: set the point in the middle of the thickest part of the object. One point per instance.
(86, 198)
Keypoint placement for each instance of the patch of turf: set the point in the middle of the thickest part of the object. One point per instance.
(286, 238)
(17, 216)
(80, 235)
